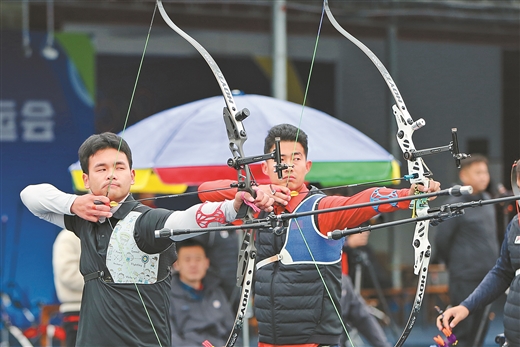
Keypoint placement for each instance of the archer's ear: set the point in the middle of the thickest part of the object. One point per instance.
(132, 172)
(308, 165)
(86, 181)
(265, 168)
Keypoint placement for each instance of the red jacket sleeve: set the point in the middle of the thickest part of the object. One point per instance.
(220, 195)
(354, 217)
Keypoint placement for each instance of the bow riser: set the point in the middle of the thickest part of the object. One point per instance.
(405, 131)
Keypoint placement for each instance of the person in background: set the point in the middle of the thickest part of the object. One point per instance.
(222, 250)
(468, 245)
(199, 308)
(66, 252)
(505, 274)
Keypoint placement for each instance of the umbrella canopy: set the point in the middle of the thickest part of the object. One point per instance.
(188, 145)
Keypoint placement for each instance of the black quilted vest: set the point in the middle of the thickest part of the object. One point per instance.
(512, 306)
(291, 303)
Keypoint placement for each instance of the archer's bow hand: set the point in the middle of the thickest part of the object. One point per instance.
(280, 194)
(262, 201)
(91, 207)
(434, 186)
(451, 317)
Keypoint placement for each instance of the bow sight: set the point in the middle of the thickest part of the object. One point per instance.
(238, 163)
(453, 146)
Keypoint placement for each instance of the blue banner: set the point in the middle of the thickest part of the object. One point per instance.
(46, 112)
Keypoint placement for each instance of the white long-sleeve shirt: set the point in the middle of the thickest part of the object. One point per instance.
(51, 204)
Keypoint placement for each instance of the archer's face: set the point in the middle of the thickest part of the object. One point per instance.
(109, 171)
(294, 177)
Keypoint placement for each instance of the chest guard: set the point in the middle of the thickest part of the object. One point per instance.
(296, 248)
(125, 261)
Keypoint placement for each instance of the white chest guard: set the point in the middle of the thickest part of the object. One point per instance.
(125, 261)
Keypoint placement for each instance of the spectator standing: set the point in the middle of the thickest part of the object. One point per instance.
(505, 274)
(468, 245)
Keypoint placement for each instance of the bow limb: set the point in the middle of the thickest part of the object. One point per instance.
(226, 92)
(406, 127)
(237, 135)
(233, 118)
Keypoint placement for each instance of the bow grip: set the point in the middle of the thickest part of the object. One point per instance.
(245, 210)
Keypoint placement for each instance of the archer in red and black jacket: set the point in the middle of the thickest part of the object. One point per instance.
(291, 302)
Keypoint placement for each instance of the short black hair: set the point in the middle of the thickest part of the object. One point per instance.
(190, 243)
(99, 142)
(475, 158)
(286, 132)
